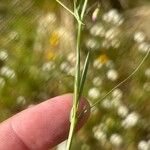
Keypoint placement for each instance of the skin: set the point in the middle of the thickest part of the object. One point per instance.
(42, 126)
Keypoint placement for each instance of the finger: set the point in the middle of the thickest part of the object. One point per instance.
(40, 127)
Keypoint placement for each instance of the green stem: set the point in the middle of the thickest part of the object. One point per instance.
(83, 9)
(74, 115)
(65, 7)
(76, 90)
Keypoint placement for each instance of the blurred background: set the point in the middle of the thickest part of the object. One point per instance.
(37, 57)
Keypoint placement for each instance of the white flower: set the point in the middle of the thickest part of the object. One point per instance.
(92, 44)
(48, 66)
(63, 32)
(147, 72)
(94, 93)
(48, 19)
(116, 140)
(139, 37)
(113, 16)
(106, 103)
(118, 20)
(8, 72)
(97, 81)
(117, 94)
(113, 13)
(65, 67)
(2, 82)
(111, 33)
(131, 120)
(13, 35)
(115, 43)
(97, 64)
(95, 128)
(144, 47)
(71, 57)
(112, 75)
(100, 135)
(21, 100)
(3, 55)
(143, 145)
(122, 111)
(97, 30)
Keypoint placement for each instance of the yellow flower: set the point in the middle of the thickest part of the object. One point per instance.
(49, 55)
(54, 39)
(103, 58)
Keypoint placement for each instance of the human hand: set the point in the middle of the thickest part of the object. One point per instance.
(42, 126)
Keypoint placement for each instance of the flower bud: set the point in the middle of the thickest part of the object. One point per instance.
(95, 14)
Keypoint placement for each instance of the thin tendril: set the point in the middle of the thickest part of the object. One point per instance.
(132, 74)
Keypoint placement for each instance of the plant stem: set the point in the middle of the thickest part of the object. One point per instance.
(77, 92)
(65, 7)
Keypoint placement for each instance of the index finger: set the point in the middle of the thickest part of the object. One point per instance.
(40, 127)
